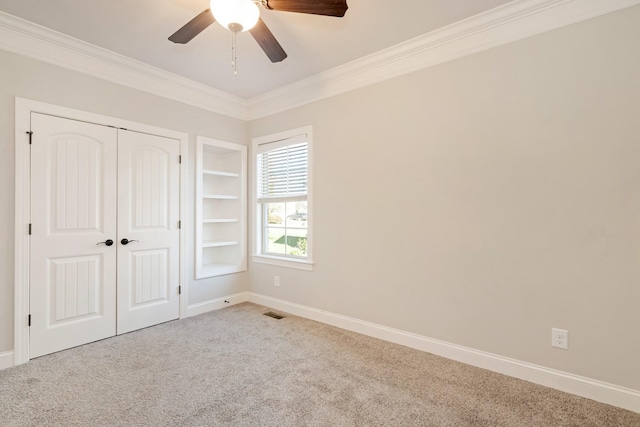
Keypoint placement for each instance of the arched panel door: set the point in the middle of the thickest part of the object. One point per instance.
(73, 219)
(148, 233)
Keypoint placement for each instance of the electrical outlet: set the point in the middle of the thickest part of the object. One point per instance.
(560, 338)
(276, 280)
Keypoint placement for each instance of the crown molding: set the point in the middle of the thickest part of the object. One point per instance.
(513, 21)
(505, 24)
(28, 39)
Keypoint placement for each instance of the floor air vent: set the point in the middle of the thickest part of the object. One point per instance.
(274, 315)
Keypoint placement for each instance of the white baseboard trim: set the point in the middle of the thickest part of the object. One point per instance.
(6, 360)
(610, 394)
(217, 304)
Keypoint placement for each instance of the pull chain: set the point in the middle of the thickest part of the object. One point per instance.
(233, 53)
(235, 28)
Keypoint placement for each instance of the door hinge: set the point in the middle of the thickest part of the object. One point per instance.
(179, 225)
(179, 290)
(30, 133)
(180, 159)
(29, 321)
(29, 229)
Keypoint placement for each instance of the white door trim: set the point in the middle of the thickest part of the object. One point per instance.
(23, 110)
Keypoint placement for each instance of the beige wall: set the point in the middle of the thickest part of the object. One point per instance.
(26, 78)
(484, 201)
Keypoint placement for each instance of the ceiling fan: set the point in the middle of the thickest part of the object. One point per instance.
(244, 15)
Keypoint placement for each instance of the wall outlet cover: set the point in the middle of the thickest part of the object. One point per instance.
(560, 338)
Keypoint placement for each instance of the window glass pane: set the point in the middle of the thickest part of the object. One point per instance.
(274, 242)
(275, 214)
(296, 223)
(296, 242)
(274, 228)
(296, 214)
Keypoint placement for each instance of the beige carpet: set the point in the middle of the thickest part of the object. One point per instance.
(237, 367)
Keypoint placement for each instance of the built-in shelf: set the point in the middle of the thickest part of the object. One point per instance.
(220, 196)
(213, 244)
(220, 173)
(221, 204)
(218, 268)
(219, 221)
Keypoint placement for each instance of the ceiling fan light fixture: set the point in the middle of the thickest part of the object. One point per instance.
(236, 15)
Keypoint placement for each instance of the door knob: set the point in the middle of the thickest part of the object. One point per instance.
(106, 242)
(127, 241)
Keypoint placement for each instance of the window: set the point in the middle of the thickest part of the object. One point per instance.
(282, 198)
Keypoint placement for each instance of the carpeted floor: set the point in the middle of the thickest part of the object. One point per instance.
(237, 367)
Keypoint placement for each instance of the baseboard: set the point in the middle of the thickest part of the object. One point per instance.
(585, 387)
(217, 304)
(6, 360)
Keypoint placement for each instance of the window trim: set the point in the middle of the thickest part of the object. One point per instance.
(280, 139)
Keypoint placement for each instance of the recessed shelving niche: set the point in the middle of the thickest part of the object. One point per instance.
(221, 206)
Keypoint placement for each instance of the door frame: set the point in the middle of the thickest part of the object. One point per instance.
(23, 110)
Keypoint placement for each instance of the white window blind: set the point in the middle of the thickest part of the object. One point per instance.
(282, 172)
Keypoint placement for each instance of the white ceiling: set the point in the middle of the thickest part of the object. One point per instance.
(139, 30)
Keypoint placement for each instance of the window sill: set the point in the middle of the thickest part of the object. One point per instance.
(283, 262)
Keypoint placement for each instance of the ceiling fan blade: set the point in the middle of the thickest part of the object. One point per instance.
(317, 7)
(268, 42)
(193, 27)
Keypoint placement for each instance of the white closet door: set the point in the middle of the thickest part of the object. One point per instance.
(148, 214)
(73, 194)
